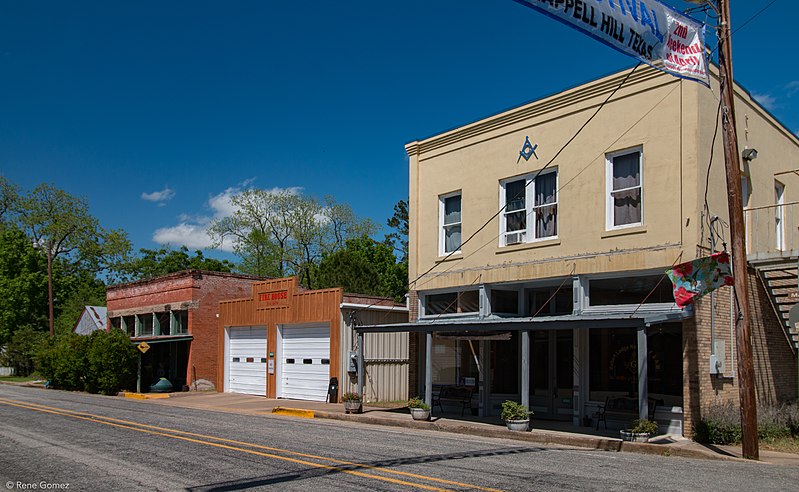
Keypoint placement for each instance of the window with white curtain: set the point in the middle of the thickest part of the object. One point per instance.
(625, 192)
(450, 219)
(531, 208)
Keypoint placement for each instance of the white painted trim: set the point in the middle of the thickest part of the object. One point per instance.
(226, 380)
(349, 305)
(529, 210)
(441, 210)
(609, 186)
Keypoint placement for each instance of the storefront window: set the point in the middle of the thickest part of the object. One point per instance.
(665, 362)
(614, 363)
(454, 361)
(505, 365)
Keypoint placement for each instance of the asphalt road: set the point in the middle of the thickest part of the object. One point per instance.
(53, 440)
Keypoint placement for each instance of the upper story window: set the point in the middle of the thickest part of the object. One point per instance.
(624, 196)
(450, 223)
(526, 197)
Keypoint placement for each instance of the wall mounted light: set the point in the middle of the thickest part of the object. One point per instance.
(749, 154)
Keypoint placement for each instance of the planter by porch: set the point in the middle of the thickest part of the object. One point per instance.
(634, 436)
(518, 425)
(352, 406)
(420, 413)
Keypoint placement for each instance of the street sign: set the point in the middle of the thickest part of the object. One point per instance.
(143, 347)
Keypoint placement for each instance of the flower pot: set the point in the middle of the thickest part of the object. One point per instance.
(352, 406)
(420, 413)
(518, 425)
(634, 436)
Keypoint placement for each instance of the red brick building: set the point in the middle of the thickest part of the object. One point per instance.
(177, 315)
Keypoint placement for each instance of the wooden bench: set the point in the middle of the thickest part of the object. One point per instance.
(459, 395)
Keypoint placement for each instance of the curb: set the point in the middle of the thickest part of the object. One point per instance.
(294, 412)
(145, 396)
(540, 437)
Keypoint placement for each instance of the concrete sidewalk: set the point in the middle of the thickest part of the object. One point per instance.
(543, 432)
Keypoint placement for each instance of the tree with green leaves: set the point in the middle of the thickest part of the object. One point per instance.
(364, 266)
(23, 284)
(151, 263)
(9, 194)
(259, 230)
(279, 233)
(61, 225)
(398, 239)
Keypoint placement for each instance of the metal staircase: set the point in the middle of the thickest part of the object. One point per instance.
(780, 281)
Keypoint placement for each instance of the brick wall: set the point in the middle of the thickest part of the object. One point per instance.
(199, 292)
(774, 359)
(204, 324)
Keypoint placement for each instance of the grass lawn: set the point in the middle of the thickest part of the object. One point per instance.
(783, 445)
(19, 379)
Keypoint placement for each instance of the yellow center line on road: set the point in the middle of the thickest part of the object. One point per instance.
(202, 439)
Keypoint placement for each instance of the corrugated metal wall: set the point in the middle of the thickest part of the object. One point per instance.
(386, 356)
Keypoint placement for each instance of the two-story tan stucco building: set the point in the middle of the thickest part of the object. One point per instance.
(542, 280)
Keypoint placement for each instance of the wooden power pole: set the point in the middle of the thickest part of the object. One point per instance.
(746, 380)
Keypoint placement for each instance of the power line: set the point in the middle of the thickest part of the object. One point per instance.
(485, 224)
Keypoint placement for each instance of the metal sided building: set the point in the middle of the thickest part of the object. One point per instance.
(287, 342)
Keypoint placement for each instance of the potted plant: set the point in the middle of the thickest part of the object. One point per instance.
(352, 402)
(516, 415)
(640, 430)
(419, 409)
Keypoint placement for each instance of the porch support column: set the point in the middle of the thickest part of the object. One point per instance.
(360, 368)
(483, 396)
(643, 375)
(428, 369)
(525, 386)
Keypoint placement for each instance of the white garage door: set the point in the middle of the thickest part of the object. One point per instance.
(305, 361)
(246, 360)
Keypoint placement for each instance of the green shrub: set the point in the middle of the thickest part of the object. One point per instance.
(111, 362)
(63, 361)
(103, 362)
(416, 402)
(643, 426)
(514, 411)
(21, 350)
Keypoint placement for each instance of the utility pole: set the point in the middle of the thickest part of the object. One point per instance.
(746, 381)
(50, 282)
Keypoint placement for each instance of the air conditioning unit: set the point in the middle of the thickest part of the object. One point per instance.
(514, 238)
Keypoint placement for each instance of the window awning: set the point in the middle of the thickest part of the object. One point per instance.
(591, 321)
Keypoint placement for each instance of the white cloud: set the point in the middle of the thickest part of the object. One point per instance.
(159, 197)
(766, 100)
(792, 87)
(192, 231)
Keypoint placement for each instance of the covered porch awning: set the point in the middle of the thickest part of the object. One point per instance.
(568, 322)
(490, 327)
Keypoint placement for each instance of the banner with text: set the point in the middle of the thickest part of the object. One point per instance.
(645, 29)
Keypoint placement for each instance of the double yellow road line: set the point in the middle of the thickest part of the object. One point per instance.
(357, 469)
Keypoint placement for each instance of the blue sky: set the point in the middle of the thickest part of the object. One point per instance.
(158, 111)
